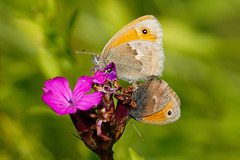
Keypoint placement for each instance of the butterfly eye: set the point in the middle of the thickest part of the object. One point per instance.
(144, 31)
(169, 113)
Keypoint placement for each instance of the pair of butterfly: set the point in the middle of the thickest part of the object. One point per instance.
(137, 53)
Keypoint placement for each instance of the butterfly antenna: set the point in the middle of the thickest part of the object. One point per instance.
(136, 130)
(85, 52)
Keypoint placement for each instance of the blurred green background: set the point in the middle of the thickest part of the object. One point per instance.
(202, 48)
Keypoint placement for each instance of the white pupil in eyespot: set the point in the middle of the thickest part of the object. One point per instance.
(144, 31)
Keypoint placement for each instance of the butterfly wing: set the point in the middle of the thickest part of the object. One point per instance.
(151, 97)
(156, 105)
(169, 114)
(136, 50)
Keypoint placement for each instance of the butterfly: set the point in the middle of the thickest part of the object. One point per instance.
(138, 54)
(136, 50)
(156, 103)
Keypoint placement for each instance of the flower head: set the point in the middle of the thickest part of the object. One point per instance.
(101, 75)
(58, 95)
(111, 71)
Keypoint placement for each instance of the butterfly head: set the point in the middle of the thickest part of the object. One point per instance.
(96, 60)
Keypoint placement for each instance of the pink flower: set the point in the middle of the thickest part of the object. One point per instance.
(111, 71)
(101, 75)
(58, 95)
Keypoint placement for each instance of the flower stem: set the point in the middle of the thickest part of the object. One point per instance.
(106, 156)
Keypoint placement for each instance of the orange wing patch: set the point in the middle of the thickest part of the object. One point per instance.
(159, 116)
(132, 34)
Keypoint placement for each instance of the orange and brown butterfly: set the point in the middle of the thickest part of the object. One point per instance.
(136, 50)
(138, 54)
(156, 103)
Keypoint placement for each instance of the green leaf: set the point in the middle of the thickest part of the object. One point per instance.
(134, 155)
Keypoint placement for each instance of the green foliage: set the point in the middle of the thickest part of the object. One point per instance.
(201, 43)
(134, 155)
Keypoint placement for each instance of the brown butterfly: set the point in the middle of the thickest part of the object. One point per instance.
(136, 50)
(156, 103)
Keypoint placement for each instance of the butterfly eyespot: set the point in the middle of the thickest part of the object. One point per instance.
(169, 112)
(144, 31)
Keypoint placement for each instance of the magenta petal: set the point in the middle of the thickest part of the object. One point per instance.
(84, 84)
(77, 96)
(57, 95)
(88, 101)
(111, 71)
(60, 107)
(65, 110)
(60, 88)
(99, 77)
